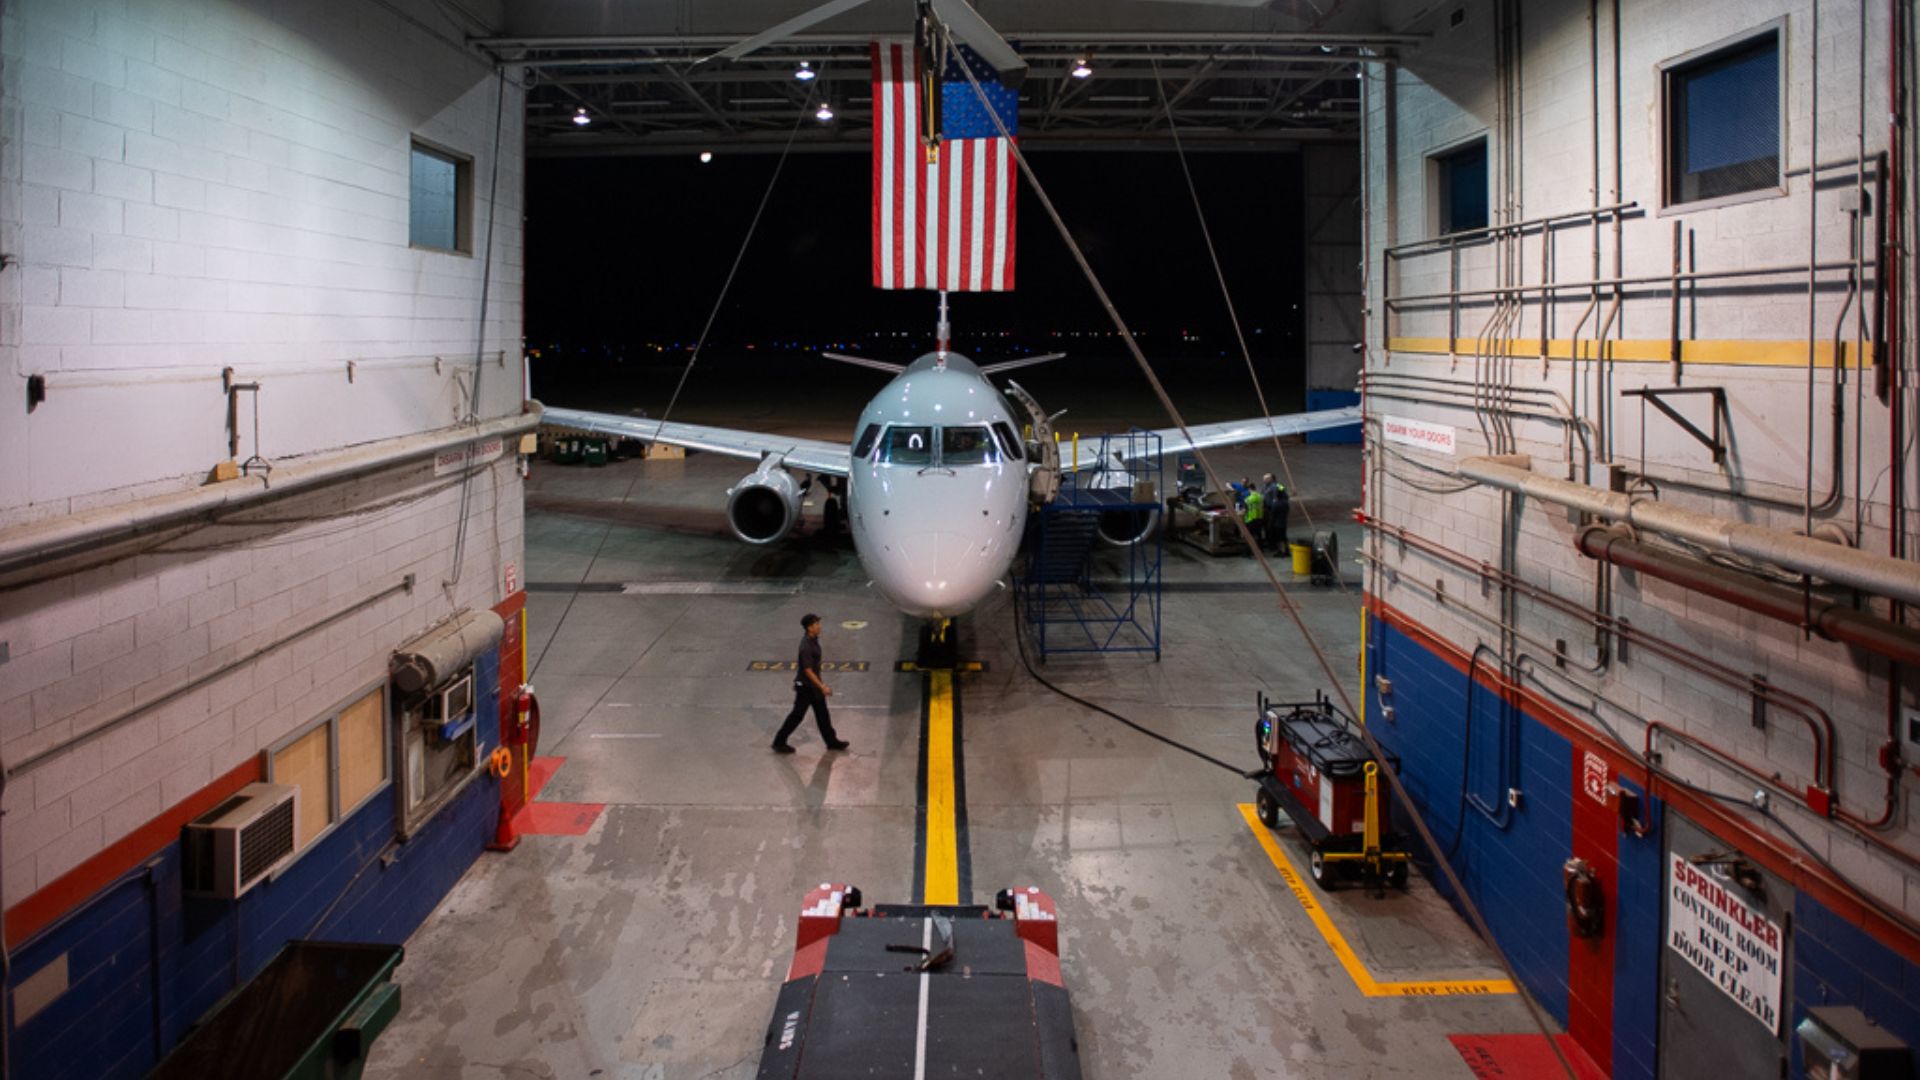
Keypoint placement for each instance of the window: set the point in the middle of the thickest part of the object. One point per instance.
(1009, 443)
(439, 214)
(864, 446)
(1722, 113)
(1460, 187)
(337, 762)
(908, 446)
(966, 446)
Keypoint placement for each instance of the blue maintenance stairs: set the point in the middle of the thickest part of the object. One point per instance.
(1062, 606)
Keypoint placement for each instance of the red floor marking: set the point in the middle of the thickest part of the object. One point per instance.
(1522, 1057)
(553, 818)
(539, 771)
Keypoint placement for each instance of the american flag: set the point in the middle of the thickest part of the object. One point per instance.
(943, 220)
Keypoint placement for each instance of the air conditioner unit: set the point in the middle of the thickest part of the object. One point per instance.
(449, 710)
(234, 846)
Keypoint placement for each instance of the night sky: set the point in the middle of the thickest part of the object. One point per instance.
(630, 250)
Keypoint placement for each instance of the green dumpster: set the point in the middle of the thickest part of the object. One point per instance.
(312, 1013)
(594, 452)
(566, 451)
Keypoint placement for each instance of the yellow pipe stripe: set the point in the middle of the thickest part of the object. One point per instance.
(1356, 970)
(942, 877)
(1753, 353)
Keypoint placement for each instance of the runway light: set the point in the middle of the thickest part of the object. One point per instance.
(706, 156)
(580, 116)
(804, 72)
(825, 114)
(1080, 69)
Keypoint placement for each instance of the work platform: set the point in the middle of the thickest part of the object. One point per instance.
(653, 944)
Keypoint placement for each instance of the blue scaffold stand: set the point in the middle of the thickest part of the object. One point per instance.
(1115, 491)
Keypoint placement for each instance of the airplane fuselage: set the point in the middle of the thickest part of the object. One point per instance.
(937, 491)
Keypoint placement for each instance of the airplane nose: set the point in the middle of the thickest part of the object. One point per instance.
(936, 577)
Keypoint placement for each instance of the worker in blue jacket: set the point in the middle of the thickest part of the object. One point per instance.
(1276, 507)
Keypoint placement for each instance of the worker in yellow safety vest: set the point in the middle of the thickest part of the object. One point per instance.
(1250, 511)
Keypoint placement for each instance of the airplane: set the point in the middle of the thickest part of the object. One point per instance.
(939, 475)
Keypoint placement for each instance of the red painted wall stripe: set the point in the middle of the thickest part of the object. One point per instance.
(73, 888)
(1788, 863)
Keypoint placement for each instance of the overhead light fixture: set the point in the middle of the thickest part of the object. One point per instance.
(825, 113)
(804, 72)
(1080, 69)
(706, 156)
(580, 116)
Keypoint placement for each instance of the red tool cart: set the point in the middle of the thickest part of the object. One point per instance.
(1316, 769)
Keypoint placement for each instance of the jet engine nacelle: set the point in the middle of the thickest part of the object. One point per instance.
(765, 505)
(1122, 528)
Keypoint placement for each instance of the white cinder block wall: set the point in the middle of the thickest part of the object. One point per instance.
(188, 186)
(1445, 92)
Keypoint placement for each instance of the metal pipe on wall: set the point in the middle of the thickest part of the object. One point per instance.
(1819, 725)
(1833, 621)
(1877, 574)
(40, 541)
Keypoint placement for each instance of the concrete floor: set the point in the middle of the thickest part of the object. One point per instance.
(653, 946)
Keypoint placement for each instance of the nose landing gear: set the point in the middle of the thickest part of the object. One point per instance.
(939, 644)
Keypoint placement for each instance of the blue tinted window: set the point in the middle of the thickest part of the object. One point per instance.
(433, 208)
(1463, 188)
(966, 446)
(1723, 123)
(908, 446)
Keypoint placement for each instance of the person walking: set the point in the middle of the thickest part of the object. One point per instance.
(1276, 506)
(809, 692)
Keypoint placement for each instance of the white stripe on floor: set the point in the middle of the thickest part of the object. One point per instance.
(920, 1038)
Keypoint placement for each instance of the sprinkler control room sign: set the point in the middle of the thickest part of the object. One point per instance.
(1735, 946)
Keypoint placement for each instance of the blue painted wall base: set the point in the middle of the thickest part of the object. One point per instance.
(144, 963)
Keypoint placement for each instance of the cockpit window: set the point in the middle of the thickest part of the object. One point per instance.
(908, 446)
(1008, 442)
(865, 445)
(966, 446)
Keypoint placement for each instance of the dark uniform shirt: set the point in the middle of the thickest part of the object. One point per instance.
(809, 660)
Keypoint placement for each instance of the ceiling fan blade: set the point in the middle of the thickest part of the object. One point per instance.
(969, 27)
(786, 29)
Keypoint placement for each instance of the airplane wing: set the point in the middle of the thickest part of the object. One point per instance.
(1237, 432)
(1025, 361)
(865, 362)
(806, 455)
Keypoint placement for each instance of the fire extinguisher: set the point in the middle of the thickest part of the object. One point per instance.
(1586, 903)
(526, 729)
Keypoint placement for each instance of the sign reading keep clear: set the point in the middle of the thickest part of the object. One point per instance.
(1736, 947)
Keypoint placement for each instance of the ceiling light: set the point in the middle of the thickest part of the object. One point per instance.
(804, 72)
(1080, 69)
(825, 113)
(580, 116)
(706, 156)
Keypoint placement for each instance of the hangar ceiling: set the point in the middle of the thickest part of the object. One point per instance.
(1223, 74)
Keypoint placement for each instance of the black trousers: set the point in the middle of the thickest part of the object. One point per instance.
(803, 698)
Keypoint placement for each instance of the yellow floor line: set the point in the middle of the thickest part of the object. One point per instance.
(942, 878)
(1356, 970)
